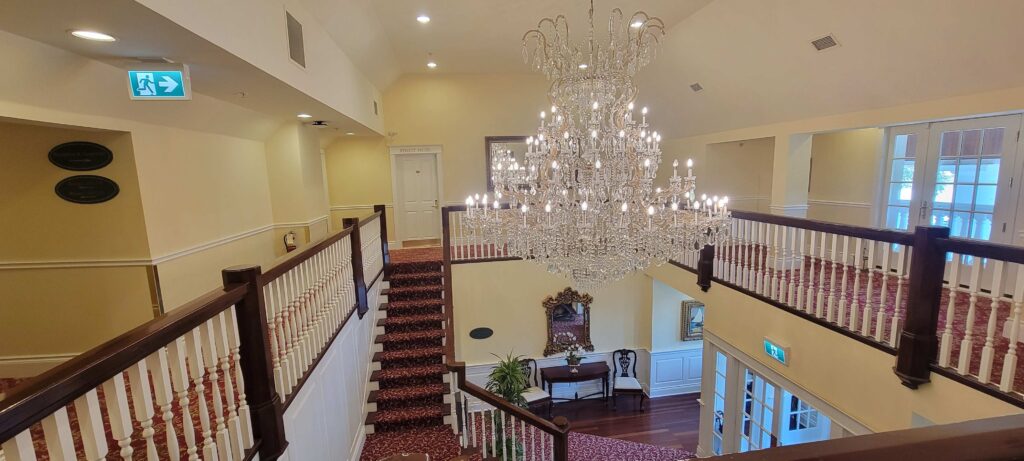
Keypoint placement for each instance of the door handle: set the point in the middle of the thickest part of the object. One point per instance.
(435, 203)
(924, 210)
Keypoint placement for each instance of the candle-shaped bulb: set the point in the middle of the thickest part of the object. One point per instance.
(529, 140)
(554, 109)
(625, 207)
(469, 201)
(622, 133)
(583, 206)
(547, 207)
(565, 135)
(594, 106)
(559, 118)
(597, 164)
(485, 199)
(476, 196)
(496, 205)
(675, 206)
(554, 164)
(540, 137)
(675, 163)
(497, 195)
(703, 197)
(725, 199)
(593, 134)
(715, 198)
(647, 162)
(689, 163)
(524, 208)
(657, 190)
(644, 110)
(650, 210)
(543, 115)
(630, 106)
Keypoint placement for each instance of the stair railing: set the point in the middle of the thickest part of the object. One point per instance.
(500, 430)
(214, 376)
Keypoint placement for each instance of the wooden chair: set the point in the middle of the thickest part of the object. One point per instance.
(535, 395)
(624, 381)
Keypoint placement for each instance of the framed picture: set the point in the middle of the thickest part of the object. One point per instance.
(692, 320)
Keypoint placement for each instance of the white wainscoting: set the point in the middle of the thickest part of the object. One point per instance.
(675, 372)
(326, 419)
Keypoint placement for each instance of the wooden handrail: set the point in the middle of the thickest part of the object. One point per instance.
(870, 233)
(992, 439)
(559, 428)
(1008, 253)
(302, 255)
(369, 218)
(56, 388)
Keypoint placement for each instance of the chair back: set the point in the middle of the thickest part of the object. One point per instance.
(531, 370)
(624, 361)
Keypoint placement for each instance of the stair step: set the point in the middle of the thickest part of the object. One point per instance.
(409, 392)
(407, 354)
(414, 289)
(411, 319)
(409, 276)
(410, 336)
(409, 414)
(409, 372)
(412, 304)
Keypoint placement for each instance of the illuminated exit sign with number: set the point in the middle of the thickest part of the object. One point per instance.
(776, 351)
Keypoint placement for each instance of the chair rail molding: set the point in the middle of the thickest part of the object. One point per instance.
(839, 203)
(27, 366)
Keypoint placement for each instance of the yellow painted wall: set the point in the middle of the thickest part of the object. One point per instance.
(359, 176)
(854, 378)
(741, 170)
(666, 317)
(59, 309)
(845, 171)
(506, 297)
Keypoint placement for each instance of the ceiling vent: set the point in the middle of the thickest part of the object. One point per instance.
(318, 124)
(296, 47)
(696, 87)
(824, 43)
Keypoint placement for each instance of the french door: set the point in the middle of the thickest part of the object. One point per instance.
(959, 174)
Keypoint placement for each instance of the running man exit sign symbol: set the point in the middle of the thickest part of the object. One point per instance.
(160, 84)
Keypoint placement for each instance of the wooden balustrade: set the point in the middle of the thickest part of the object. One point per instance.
(210, 379)
(551, 437)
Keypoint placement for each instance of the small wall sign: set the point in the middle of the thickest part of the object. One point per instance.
(80, 156)
(481, 333)
(87, 189)
(776, 351)
(165, 82)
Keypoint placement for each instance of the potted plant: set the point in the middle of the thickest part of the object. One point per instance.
(508, 380)
(568, 344)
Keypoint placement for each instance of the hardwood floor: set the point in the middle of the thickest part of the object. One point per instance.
(666, 421)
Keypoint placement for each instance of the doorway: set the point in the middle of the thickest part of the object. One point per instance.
(416, 183)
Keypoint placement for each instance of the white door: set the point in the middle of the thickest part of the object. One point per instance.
(417, 192)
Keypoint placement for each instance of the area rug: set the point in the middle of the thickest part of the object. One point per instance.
(586, 447)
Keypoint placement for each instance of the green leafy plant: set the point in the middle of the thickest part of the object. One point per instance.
(508, 380)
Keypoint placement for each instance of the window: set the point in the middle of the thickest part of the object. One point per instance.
(717, 433)
(802, 415)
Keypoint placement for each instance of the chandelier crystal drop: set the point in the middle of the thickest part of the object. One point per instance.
(581, 200)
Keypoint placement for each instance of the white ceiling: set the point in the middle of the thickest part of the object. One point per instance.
(753, 57)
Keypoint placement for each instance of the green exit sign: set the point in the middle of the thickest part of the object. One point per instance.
(776, 351)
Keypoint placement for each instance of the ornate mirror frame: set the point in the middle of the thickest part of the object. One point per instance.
(489, 142)
(567, 296)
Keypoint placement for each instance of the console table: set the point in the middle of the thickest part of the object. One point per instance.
(587, 372)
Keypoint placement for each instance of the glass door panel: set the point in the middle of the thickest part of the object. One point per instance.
(907, 145)
(718, 431)
(758, 413)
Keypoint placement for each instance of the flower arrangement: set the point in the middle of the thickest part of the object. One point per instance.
(568, 344)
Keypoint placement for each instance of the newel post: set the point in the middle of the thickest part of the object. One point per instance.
(705, 267)
(561, 441)
(384, 237)
(359, 281)
(257, 366)
(918, 341)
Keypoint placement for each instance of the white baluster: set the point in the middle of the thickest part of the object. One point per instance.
(771, 275)
(855, 296)
(791, 264)
(244, 415)
(159, 365)
(60, 445)
(834, 258)
(221, 329)
(843, 294)
(883, 294)
(177, 354)
(811, 286)
(1010, 360)
(897, 316)
(119, 414)
(800, 273)
(988, 350)
(90, 425)
(819, 304)
(20, 448)
(288, 319)
(210, 359)
(953, 287)
(142, 403)
(967, 344)
(780, 254)
(194, 341)
(865, 327)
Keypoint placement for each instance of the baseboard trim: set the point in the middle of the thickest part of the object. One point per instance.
(675, 390)
(357, 445)
(27, 366)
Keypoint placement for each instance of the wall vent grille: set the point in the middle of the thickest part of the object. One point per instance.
(824, 43)
(296, 47)
(696, 87)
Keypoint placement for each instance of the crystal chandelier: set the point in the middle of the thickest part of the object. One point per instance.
(582, 200)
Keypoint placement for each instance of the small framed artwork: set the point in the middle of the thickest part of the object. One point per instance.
(692, 321)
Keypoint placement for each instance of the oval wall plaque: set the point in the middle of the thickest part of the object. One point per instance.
(87, 189)
(481, 333)
(80, 156)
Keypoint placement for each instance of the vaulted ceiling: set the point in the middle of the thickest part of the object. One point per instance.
(753, 57)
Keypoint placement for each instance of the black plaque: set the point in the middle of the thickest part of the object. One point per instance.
(80, 156)
(481, 333)
(87, 189)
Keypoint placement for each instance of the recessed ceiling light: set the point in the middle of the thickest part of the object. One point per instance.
(350, 134)
(432, 64)
(93, 35)
(423, 19)
(636, 24)
(584, 66)
(304, 116)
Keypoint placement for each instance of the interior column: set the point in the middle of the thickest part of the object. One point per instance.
(791, 172)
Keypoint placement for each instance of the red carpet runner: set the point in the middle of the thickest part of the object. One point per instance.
(410, 400)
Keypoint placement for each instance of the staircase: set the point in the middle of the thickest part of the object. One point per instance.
(410, 407)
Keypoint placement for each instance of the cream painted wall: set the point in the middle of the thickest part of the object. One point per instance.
(57, 309)
(506, 297)
(741, 170)
(457, 112)
(666, 317)
(359, 175)
(846, 167)
(295, 172)
(852, 377)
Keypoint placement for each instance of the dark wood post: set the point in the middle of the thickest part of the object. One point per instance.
(257, 366)
(561, 441)
(362, 305)
(384, 238)
(705, 267)
(918, 342)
